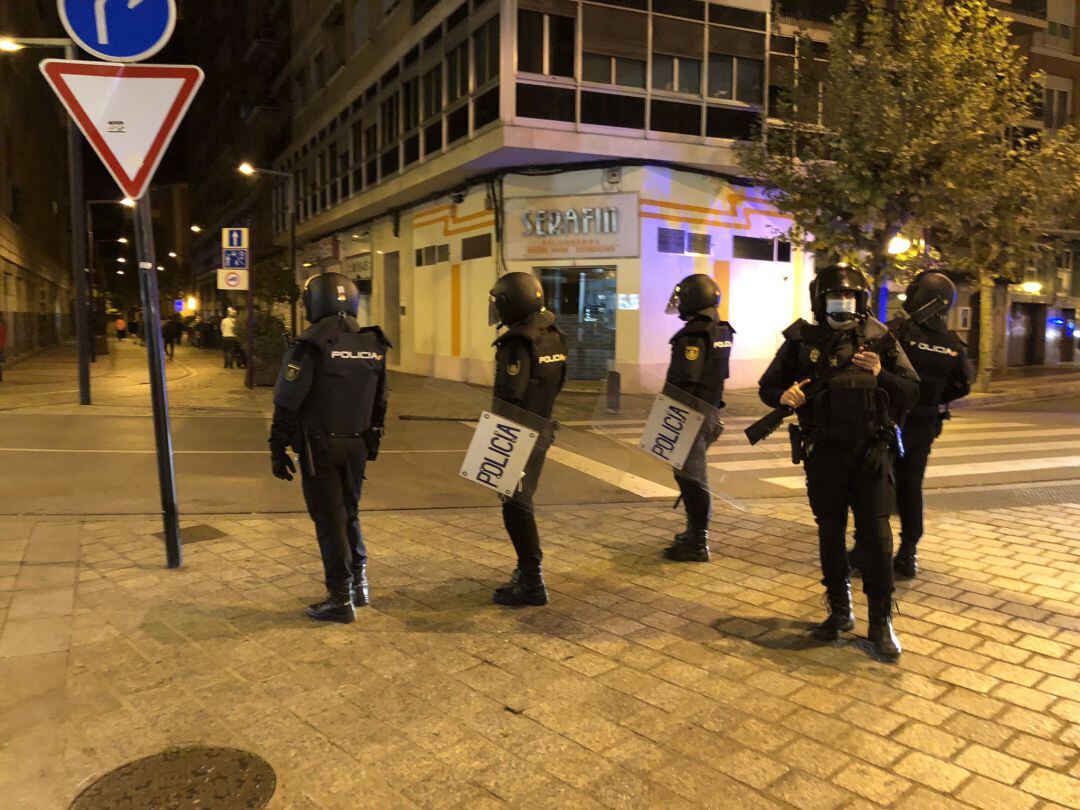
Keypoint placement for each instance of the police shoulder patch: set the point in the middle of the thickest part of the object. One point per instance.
(815, 354)
(693, 353)
(292, 371)
(513, 369)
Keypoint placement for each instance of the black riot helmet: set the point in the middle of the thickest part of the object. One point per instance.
(696, 294)
(330, 294)
(928, 300)
(514, 298)
(838, 278)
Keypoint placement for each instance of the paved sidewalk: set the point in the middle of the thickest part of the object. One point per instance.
(643, 684)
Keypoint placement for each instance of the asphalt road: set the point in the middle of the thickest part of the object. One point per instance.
(105, 465)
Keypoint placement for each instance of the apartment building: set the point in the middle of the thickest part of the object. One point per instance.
(35, 268)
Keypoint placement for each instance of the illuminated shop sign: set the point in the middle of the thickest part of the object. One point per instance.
(585, 226)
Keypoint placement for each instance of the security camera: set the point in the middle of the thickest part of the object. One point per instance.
(458, 197)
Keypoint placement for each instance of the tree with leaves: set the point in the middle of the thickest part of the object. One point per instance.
(918, 107)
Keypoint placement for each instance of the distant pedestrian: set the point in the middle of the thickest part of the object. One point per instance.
(3, 344)
(171, 331)
(228, 337)
(136, 330)
(121, 328)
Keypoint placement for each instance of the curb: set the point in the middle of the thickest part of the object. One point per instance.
(1022, 394)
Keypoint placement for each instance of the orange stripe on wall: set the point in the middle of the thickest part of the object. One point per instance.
(722, 276)
(455, 310)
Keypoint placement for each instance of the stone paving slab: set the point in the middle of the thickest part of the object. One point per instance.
(643, 684)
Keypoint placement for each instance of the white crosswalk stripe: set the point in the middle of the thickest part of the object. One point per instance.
(966, 449)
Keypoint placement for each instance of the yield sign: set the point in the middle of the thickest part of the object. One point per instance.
(129, 113)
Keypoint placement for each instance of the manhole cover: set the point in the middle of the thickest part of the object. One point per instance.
(184, 778)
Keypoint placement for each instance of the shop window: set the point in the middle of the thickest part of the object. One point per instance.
(546, 43)
(671, 116)
(783, 251)
(612, 110)
(738, 17)
(486, 108)
(699, 244)
(486, 52)
(476, 247)
(433, 138)
(457, 72)
(457, 124)
(444, 253)
(432, 254)
(691, 9)
(551, 103)
(727, 122)
(670, 240)
(755, 249)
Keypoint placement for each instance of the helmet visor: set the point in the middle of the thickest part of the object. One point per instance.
(672, 307)
(494, 319)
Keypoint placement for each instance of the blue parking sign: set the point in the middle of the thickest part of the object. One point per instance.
(235, 258)
(119, 30)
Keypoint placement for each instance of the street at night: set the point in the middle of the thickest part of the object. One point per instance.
(540, 404)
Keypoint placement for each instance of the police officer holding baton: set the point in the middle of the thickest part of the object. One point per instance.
(330, 406)
(847, 427)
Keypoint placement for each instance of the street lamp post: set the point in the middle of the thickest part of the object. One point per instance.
(75, 191)
(290, 201)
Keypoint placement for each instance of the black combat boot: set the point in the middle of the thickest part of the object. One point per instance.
(841, 619)
(906, 564)
(360, 586)
(337, 607)
(525, 588)
(881, 634)
(694, 548)
(855, 559)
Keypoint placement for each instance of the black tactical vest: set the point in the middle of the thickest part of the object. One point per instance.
(547, 362)
(716, 339)
(350, 361)
(935, 356)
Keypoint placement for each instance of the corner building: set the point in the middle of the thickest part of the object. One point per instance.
(436, 145)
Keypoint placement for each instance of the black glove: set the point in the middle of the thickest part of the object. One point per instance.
(372, 439)
(282, 465)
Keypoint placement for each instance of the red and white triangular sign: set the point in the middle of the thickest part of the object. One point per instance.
(129, 113)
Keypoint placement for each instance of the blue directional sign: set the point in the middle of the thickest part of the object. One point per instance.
(119, 30)
(235, 258)
(234, 237)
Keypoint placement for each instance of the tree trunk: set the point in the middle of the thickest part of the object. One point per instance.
(986, 333)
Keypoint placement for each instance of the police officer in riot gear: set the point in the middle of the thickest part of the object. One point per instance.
(530, 369)
(940, 359)
(330, 406)
(846, 430)
(700, 352)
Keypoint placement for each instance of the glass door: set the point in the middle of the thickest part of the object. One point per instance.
(583, 300)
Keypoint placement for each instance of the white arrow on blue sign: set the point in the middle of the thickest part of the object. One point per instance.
(119, 30)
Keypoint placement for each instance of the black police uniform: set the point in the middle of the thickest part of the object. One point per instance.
(846, 454)
(700, 357)
(530, 370)
(941, 361)
(330, 406)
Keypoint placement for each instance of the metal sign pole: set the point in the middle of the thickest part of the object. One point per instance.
(249, 370)
(148, 286)
(78, 252)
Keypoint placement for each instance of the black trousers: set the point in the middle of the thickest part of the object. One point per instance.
(518, 517)
(228, 349)
(843, 477)
(919, 435)
(693, 482)
(332, 492)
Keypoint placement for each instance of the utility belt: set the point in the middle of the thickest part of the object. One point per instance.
(309, 440)
(804, 442)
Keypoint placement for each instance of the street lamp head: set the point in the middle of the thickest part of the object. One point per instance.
(122, 240)
(160, 267)
(172, 254)
(127, 202)
(246, 168)
(9, 45)
(196, 229)
(122, 260)
(119, 272)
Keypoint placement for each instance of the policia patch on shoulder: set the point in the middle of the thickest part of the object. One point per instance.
(513, 369)
(815, 355)
(693, 353)
(292, 371)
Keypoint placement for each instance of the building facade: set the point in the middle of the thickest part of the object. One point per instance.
(36, 297)
(434, 142)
